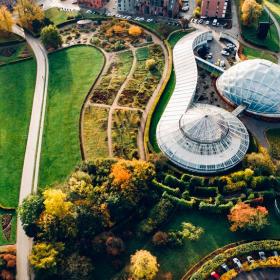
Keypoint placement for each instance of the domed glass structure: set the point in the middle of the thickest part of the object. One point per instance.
(206, 139)
(255, 84)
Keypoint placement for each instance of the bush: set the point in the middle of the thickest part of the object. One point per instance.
(180, 201)
(51, 37)
(151, 64)
(174, 182)
(260, 182)
(206, 191)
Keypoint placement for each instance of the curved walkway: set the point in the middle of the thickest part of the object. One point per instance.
(30, 171)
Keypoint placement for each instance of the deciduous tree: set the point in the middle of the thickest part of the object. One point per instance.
(51, 37)
(244, 217)
(6, 19)
(135, 31)
(250, 12)
(143, 265)
(191, 232)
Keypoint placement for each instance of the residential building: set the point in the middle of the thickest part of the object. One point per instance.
(95, 4)
(126, 6)
(214, 8)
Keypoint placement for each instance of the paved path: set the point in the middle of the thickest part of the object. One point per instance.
(30, 171)
(260, 274)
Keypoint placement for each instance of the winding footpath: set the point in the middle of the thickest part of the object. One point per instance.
(29, 179)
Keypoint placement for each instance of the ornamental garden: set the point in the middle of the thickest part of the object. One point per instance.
(110, 204)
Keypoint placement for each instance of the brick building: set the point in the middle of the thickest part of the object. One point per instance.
(214, 8)
(95, 4)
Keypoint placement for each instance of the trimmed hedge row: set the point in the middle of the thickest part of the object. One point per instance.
(204, 271)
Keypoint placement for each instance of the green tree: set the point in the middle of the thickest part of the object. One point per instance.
(191, 232)
(50, 37)
(143, 265)
(29, 212)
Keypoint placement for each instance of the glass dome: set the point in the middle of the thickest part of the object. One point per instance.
(254, 83)
(206, 139)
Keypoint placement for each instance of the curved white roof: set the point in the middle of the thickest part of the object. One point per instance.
(204, 138)
(255, 83)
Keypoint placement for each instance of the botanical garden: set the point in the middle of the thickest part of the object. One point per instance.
(109, 203)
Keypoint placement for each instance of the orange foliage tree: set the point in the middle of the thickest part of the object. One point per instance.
(243, 216)
(135, 31)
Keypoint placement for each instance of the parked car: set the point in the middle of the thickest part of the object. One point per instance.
(200, 21)
(222, 63)
(237, 262)
(275, 254)
(262, 255)
(214, 23)
(225, 267)
(185, 8)
(215, 275)
(223, 52)
(195, 20)
(250, 259)
(207, 22)
(210, 55)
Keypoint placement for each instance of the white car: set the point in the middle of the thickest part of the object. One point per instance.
(207, 22)
(275, 254)
(210, 55)
(237, 262)
(88, 11)
(223, 52)
(262, 256)
(214, 23)
(225, 267)
(250, 259)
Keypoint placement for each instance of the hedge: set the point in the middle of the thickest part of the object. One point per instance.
(206, 191)
(174, 182)
(180, 201)
(204, 271)
(215, 208)
(165, 188)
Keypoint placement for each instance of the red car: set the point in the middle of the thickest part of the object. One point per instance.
(215, 275)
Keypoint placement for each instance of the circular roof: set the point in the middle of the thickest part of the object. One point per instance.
(199, 126)
(254, 83)
(207, 139)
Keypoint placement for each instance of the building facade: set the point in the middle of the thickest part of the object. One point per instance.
(168, 8)
(214, 8)
(95, 4)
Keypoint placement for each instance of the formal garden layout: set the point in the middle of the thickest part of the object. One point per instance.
(109, 204)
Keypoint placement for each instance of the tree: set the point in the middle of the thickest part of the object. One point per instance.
(250, 12)
(184, 23)
(197, 12)
(160, 238)
(77, 267)
(151, 64)
(191, 232)
(29, 212)
(45, 256)
(80, 184)
(50, 37)
(244, 217)
(114, 246)
(56, 204)
(135, 31)
(6, 19)
(143, 265)
(28, 11)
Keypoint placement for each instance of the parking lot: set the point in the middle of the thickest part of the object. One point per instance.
(261, 274)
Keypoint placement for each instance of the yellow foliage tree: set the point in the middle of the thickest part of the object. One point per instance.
(250, 12)
(56, 204)
(44, 255)
(80, 184)
(6, 19)
(118, 29)
(121, 175)
(143, 265)
(28, 11)
(135, 31)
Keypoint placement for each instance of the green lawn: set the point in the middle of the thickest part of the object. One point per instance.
(249, 33)
(251, 53)
(175, 37)
(57, 16)
(274, 8)
(16, 94)
(72, 72)
(273, 137)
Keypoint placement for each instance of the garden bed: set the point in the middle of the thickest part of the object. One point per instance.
(95, 139)
(124, 133)
(144, 82)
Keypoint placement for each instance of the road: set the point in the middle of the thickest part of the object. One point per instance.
(260, 274)
(30, 171)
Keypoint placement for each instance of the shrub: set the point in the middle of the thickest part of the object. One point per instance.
(174, 182)
(135, 31)
(51, 37)
(165, 188)
(180, 201)
(260, 182)
(196, 181)
(160, 239)
(206, 191)
(151, 64)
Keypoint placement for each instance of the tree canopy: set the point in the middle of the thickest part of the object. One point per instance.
(6, 19)
(250, 12)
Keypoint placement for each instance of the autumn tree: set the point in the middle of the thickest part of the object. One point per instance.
(114, 246)
(190, 231)
(44, 257)
(244, 217)
(151, 64)
(28, 11)
(143, 265)
(250, 12)
(6, 19)
(135, 31)
(50, 37)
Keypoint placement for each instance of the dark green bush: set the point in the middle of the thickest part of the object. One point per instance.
(206, 191)
(165, 188)
(173, 182)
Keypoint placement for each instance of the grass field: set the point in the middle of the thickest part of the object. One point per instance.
(72, 72)
(16, 94)
(251, 53)
(274, 8)
(175, 37)
(57, 16)
(95, 132)
(273, 137)
(249, 33)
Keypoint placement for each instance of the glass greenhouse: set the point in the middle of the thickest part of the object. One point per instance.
(255, 84)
